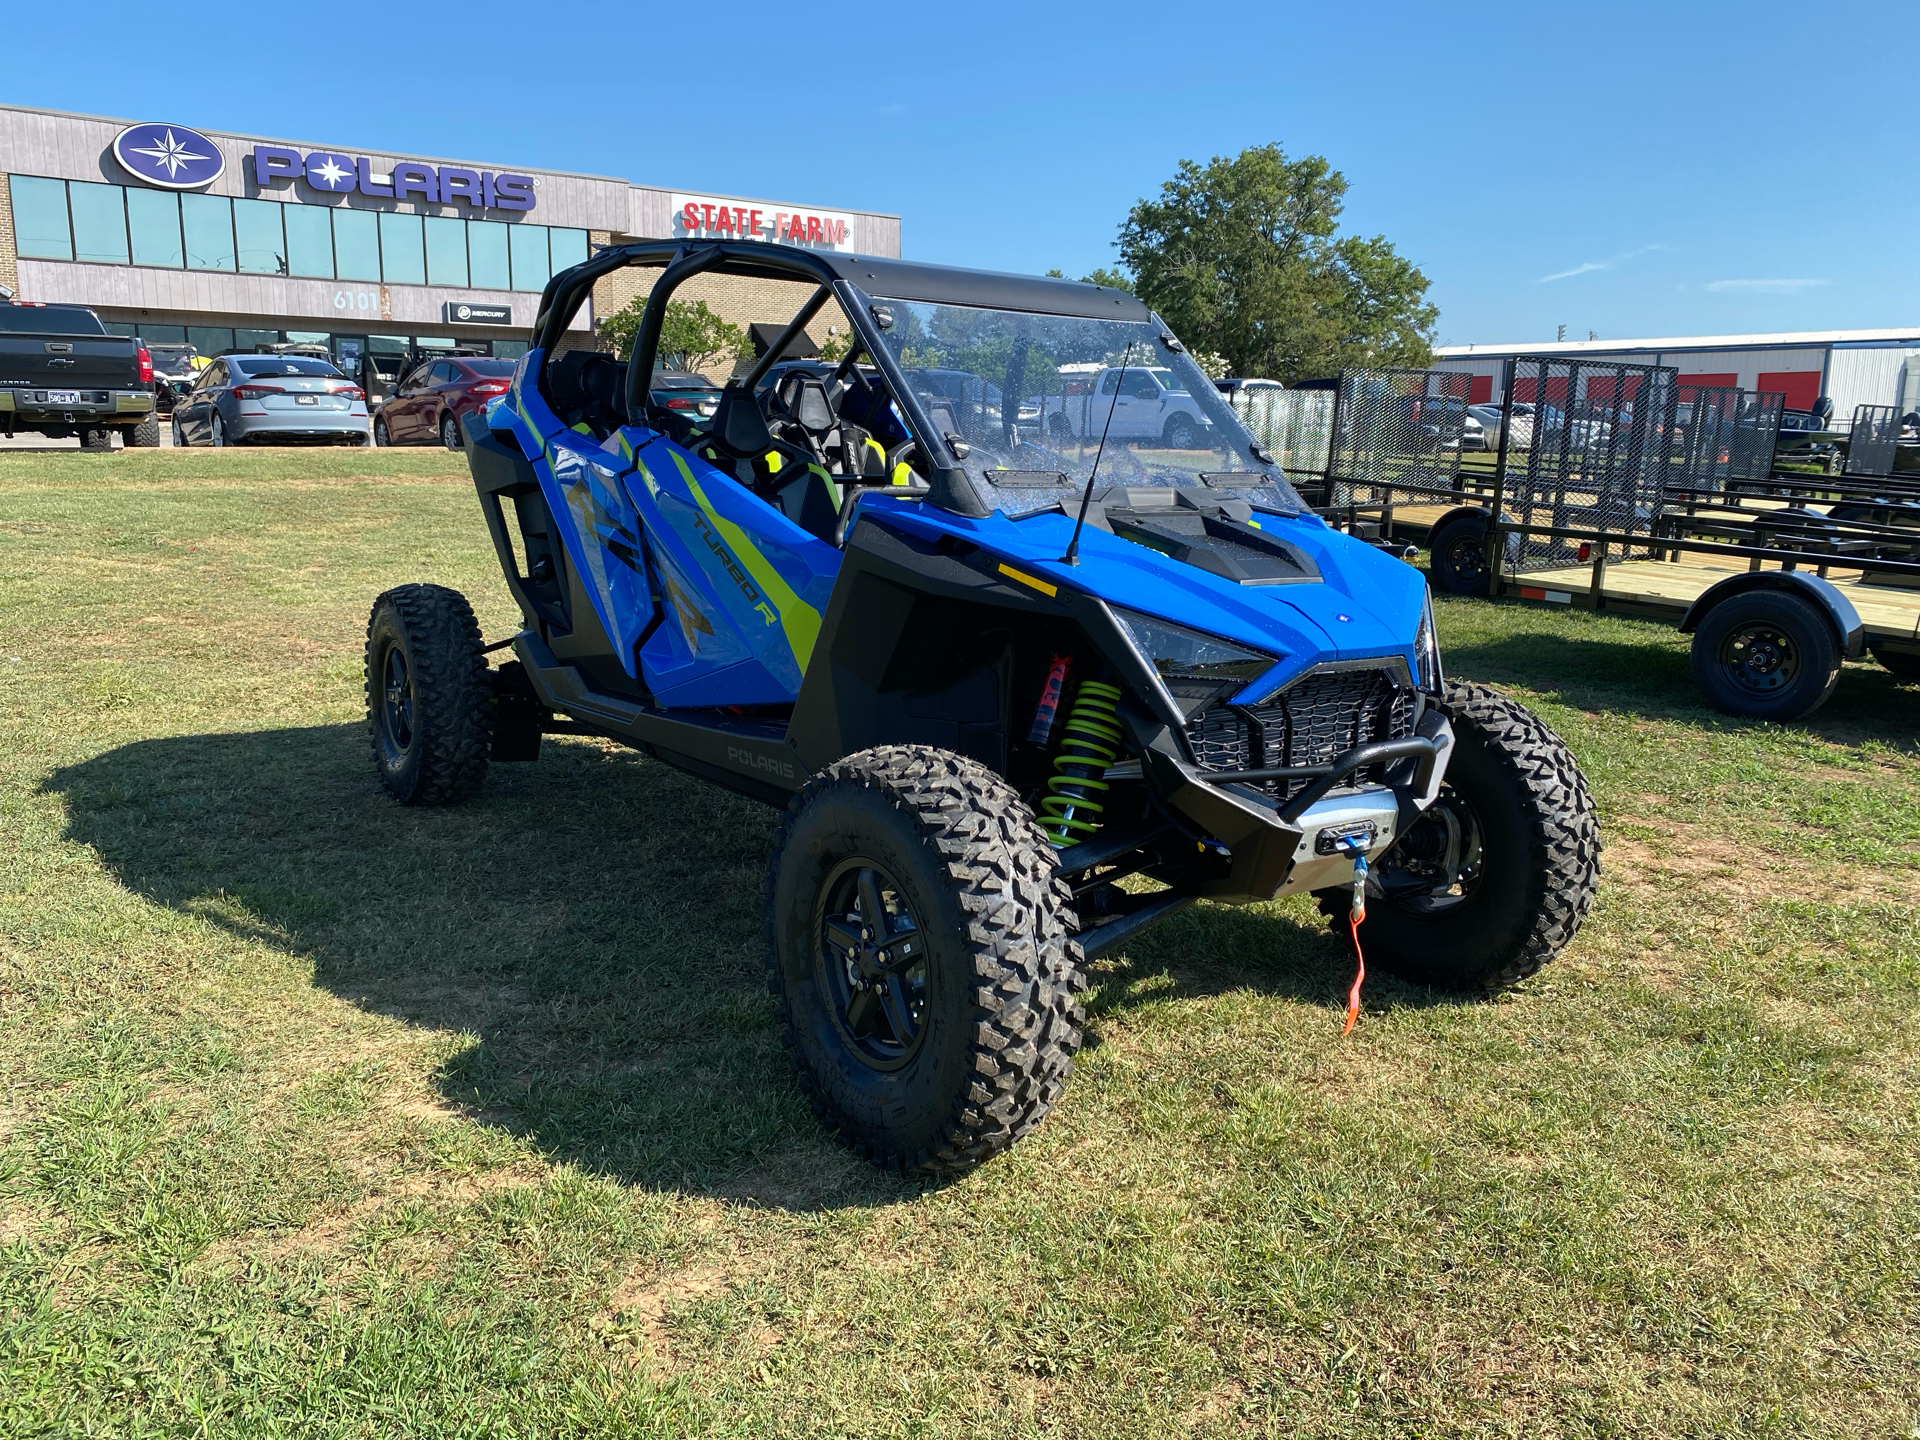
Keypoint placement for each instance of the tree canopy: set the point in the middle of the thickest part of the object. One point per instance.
(1241, 257)
(692, 337)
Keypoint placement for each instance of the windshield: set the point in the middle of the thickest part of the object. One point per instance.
(1073, 383)
(285, 365)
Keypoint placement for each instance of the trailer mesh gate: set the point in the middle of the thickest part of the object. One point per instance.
(1874, 440)
(1296, 426)
(1396, 430)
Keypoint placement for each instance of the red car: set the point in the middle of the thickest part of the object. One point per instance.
(435, 397)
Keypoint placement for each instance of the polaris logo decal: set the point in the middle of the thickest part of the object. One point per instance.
(732, 567)
(170, 156)
(738, 756)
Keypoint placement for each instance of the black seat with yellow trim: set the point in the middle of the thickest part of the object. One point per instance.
(587, 391)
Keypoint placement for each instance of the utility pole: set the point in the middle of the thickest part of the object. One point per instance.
(1563, 333)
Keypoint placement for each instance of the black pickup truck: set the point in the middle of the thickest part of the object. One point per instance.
(62, 374)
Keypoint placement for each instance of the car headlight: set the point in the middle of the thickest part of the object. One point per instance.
(1426, 650)
(1196, 667)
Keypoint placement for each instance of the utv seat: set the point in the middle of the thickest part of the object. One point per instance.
(587, 391)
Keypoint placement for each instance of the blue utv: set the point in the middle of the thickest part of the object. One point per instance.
(1022, 690)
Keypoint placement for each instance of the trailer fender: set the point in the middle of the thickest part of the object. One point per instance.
(1477, 512)
(1823, 593)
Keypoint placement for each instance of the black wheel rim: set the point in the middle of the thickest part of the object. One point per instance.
(1438, 861)
(1467, 557)
(396, 704)
(872, 970)
(1760, 658)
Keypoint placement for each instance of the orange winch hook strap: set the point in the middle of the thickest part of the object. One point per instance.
(1355, 915)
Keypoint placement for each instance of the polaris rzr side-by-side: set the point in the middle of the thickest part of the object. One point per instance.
(1023, 688)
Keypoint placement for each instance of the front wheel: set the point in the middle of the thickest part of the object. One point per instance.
(919, 941)
(380, 435)
(1766, 655)
(429, 703)
(179, 435)
(1494, 878)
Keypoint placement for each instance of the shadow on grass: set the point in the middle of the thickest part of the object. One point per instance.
(593, 921)
(1655, 682)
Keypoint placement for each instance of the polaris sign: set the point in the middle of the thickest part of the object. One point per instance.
(170, 156)
(335, 174)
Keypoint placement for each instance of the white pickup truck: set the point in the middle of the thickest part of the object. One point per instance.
(1150, 403)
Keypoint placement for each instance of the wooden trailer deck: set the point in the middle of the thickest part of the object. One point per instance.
(1665, 587)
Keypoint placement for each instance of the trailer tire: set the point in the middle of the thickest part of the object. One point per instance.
(952, 856)
(1766, 655)
(1457, 556)
(429, 700)
(145, 435)
(1516, 824)
(1901, 664)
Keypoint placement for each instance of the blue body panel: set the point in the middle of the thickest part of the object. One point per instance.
(649, 526)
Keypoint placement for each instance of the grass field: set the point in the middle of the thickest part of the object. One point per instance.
(325, 1118)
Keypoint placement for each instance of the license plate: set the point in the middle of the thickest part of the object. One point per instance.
(63, 397)
(306, 399)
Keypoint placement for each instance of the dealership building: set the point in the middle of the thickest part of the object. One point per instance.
(1851, 367)
(179, 234)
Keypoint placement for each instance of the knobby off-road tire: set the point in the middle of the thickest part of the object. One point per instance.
(1513, 781)
(998, 975)
(145, 435)
(96, 438)
(429, 703)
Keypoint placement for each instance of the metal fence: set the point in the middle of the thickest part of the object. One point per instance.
(1296, 426)
(1874, 440)
(1755, 434)
(1396, 430)
(1605, 445)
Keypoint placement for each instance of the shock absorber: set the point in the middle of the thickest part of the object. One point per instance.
(1089, 743)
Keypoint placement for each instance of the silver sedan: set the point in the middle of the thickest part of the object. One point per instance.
(293, 399)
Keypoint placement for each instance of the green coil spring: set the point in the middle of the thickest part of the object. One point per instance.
(1088, 745)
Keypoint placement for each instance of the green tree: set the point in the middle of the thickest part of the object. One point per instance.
(1242, 259)
(1112, 279)
(692, 337)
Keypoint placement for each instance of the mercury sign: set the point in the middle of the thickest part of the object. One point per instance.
(335, 174)
(718, 219)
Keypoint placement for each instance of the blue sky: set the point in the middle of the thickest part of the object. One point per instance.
(1628, 169)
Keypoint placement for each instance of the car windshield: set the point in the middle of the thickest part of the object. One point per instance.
(1074, 383)
(286, 365)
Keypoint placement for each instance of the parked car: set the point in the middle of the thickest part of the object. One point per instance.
(1150, 401)
(62, 374)
(243, 399)
(684, 390)
(174, 372)
(434, 400)
(1488, 417)
(1235, 385)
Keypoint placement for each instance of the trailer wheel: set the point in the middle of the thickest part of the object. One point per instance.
(429, 702)
(1457, 556)
(1766, 655)
(1902, 664)
(1494, 878)
(919, 942)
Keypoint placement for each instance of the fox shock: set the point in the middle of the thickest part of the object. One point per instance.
(1089, 741)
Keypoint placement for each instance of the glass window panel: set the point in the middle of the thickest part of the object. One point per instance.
(309, 240)
(402, 261)
(356, 244)
(309, 337)
(529, 244)
(569, 247)
(510, 349)
(247, 339)
(163, 334)
(447, 252)
(154, 218)
(99, 222)
(209, 341)
(117, 327)
(388, 344)
(486, 245)
(208, 223)
(40, 217)
(256, 229)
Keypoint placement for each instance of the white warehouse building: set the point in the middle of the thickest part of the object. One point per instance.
(1853, 367)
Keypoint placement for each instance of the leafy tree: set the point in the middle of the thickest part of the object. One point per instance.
(692, 337)
(1241, 257)
(1112, 279)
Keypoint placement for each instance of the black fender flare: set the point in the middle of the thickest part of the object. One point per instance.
(1824, 594)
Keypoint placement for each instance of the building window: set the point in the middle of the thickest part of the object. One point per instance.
(40, 218)
(529, 246)
(487, 248)
(99, 223)
(309, 241)
(262, 246)
(247, 339)
(356, 244)
(569, 248)
(208, 223)
(402, 262)
(163, 334)
(153, 219)
(447, 253)
(209, 341)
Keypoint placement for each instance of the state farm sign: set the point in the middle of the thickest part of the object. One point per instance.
(706, 217)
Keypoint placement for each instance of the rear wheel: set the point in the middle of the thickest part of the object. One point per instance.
(450, 431)
(1457, 556)
(96, 438)
(1766, 655)
(429, 703)
(145, 435)
(1494, 878)
(218, 427)
(1182, 433)
(920, 944)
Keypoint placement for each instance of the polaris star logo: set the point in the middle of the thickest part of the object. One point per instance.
(170, 156)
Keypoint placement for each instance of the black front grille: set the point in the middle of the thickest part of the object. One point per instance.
(1308, 723)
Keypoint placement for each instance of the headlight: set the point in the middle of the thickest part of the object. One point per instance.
(1426, 650)
(1194, 666)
